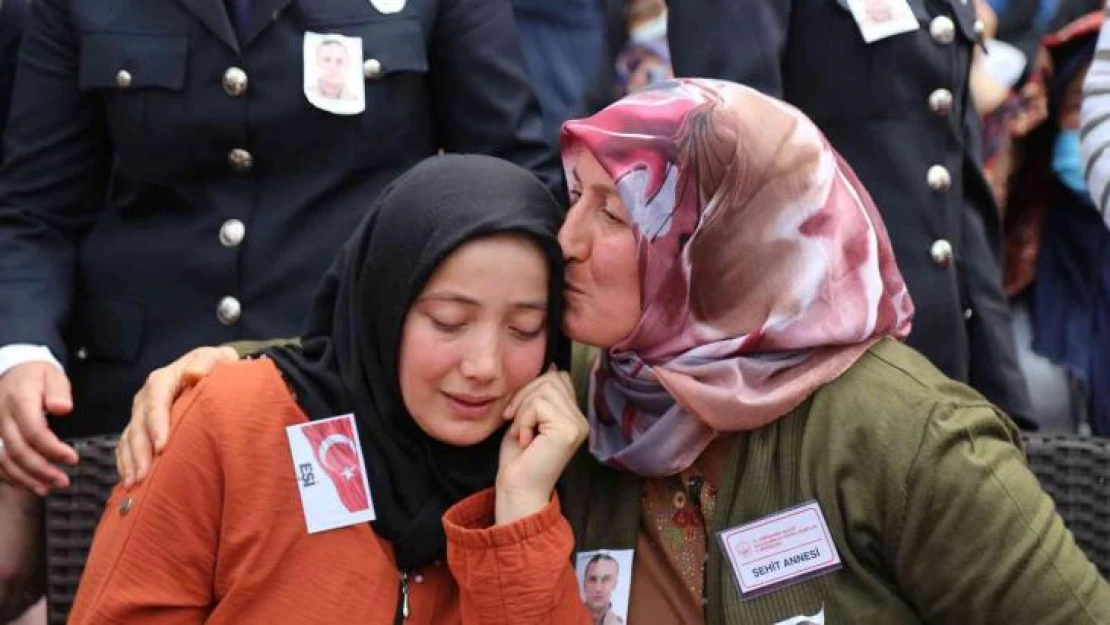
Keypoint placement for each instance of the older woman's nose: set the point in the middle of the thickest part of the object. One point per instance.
(572, 236)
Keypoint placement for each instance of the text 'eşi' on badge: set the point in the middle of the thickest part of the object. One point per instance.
(331, 473)
(780, 549)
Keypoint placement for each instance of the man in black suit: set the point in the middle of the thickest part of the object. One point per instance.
(171, 183)
(21, 574)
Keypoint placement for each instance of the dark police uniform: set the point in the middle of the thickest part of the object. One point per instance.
(900, 112)
(12, 15)
(170, 185)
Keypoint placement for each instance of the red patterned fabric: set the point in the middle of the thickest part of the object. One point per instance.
(336, 450)
(764, 266)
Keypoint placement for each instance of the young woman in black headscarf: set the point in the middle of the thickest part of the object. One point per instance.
(438, 319)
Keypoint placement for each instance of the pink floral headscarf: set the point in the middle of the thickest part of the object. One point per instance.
(765, 269)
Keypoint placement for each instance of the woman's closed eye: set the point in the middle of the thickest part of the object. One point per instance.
(447, 326)
(611, 216)
(528, 334)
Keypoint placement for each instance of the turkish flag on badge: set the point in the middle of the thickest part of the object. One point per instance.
(330, 473)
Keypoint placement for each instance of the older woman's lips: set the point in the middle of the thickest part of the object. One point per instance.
(570, 288)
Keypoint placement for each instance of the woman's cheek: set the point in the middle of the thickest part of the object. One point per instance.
(426, 355)
(524, 363)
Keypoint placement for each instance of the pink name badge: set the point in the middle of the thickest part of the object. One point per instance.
(780, 549)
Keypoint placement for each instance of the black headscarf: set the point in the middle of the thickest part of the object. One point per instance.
(348, 359)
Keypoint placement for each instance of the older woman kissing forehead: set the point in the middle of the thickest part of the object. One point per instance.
(743, 287)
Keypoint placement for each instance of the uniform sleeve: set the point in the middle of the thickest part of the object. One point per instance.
(482, 97)
(737, 40)
(13, 13)
(518, 573)
(52, 183)
(153, 559)
(1094, 119)
(979, 541)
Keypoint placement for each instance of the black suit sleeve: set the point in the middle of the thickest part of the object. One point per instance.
(737, 40)
(12, 16)
(483, 100)
(52, 183)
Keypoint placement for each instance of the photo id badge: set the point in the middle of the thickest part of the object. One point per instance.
(388, 6)
(331, 473)
(605, 582)
(816, 619)
(333, 80)
(779, 550)
(879, 19)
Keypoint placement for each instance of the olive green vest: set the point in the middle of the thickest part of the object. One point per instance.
(925, 491)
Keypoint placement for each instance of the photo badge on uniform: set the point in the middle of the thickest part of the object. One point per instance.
(333, 80)
(388, 6)
(779, 550)
(330, 473)
(605, 581)
(816, 619)
(879, 19)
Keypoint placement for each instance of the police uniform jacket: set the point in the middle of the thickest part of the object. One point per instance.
(168, 183)
(12, 15)
(900, 112)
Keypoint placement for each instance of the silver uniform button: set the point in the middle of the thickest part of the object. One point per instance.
(232, 233)
(941, 253)
(942, 29)
(82, 353)
(240, 160)
(940, 101)
(229, 311)
(235, 82)
(978, 26)
(938, 178)
(968, 314)
(371, 68)
(123, 79)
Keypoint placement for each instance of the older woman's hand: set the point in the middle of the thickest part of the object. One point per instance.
(547, 430)
(149, 430)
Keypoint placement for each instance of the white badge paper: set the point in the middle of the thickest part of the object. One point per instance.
(879, 19)
(605, 580)
(1003, 62)
(333, 79)
(331, 473)
(388, 6)
(816, 619)
(780, 549)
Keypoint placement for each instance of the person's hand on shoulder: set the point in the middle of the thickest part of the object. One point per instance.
(546, 432)
(28, 393)
(149, 430)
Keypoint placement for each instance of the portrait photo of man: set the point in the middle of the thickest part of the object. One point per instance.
(605, 577)
(333, 73)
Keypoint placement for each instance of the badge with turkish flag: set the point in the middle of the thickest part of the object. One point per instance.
(330, 473)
